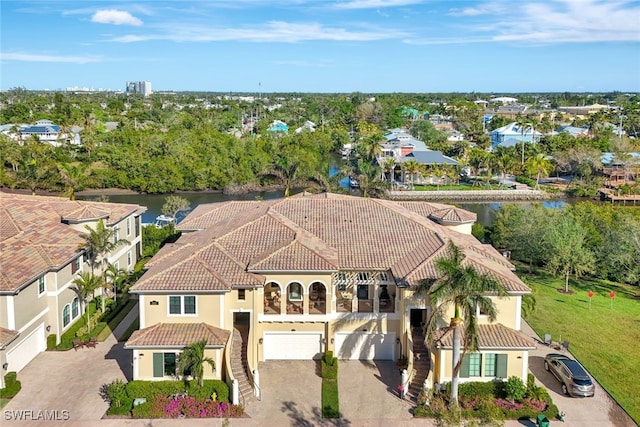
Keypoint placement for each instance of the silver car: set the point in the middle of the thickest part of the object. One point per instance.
(574, 379)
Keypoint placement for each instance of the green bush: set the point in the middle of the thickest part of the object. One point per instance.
(482, 390)
(330, 401)
(116, 392)
(524, 180)
(66, 340)
(551, 412)
(51, 341)
(329, 366)
(151, 389)
(144, 410)
(124, 409)
(515, 388)
(11, 386)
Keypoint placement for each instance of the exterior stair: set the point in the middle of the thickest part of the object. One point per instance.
(239, 367)
(421, 364)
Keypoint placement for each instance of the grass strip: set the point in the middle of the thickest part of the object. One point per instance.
(330, 401)
(603, 334)
(115, 321)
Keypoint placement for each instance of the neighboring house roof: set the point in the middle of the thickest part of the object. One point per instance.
(428, 157)
(453, 215)
(35, 236)
(178, 335)
(495, 336)
(322, 232)
(7, 336)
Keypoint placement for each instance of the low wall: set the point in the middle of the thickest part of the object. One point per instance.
(470, 196)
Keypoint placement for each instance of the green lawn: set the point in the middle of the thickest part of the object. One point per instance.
(604, 339)
(330, 401)
(3, 402)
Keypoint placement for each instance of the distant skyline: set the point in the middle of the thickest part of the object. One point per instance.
(369, 46)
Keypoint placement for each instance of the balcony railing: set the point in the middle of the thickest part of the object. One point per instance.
(294, 307)
(318, 307)
(365, 306)
(387, 305)
(344, 305)
(272, 305)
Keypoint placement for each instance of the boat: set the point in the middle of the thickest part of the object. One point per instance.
(353, 183)
(164, 220)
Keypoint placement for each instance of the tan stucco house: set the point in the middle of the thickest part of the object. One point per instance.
(39, 259)
(291, 278)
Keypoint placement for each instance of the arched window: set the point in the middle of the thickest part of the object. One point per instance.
(74, 308)
(295, 292)
(66, 318)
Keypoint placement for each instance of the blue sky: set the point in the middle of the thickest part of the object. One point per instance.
(323, 46)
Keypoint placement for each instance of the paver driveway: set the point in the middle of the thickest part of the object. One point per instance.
(70, 381)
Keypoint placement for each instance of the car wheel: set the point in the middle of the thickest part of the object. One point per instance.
(564, 389)
(546, 365)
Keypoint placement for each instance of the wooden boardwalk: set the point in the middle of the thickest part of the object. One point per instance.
(608, 195)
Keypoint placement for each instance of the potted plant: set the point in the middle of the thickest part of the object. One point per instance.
(403, 363)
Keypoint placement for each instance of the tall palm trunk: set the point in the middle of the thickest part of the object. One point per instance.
(455, 361)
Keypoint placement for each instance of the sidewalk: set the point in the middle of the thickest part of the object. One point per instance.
(126, 322)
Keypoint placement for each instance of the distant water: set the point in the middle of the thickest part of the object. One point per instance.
(154, 202)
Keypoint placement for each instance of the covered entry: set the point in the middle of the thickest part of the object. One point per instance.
(293, 345)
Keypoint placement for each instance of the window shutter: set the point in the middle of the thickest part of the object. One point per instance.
(501, 365)
(464, 369)
(158, 365)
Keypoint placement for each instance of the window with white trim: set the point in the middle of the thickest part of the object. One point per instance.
(41, 285)
(129, 258)
(182, 304)
(128, 226)
(295, 292)
(164, 365)
(66, 316)
(75, 310)
(116, 235)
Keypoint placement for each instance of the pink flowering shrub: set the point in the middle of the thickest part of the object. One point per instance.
(508, 405)
(535, 404)
(187, 407)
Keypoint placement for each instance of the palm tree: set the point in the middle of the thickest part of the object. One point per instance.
(369, 148)
(389, 166)
(411, 167)
(84, 286)
(98, 243)
(539, 165)
(369, 179)
(468, 290)
(193, 359)
(114, 277)
(73, 175)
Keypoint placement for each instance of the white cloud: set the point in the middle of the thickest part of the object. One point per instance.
(116, 17)
(273, 32)
(374, 4)
(28, 57)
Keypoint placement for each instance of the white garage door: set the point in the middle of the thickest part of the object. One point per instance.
(18, 357)
(293, 345)
(365, 346)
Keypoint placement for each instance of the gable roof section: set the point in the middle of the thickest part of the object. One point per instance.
(7, 336)
(177, 335)
(492, 336)
(34, 239)
(293, 257)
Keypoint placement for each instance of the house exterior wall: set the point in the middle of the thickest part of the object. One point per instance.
(508, 312)
(28, 305)
(143, 364)
(517, 362)
(207, 309)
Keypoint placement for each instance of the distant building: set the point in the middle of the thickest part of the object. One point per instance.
(143, 88)
(512, 135)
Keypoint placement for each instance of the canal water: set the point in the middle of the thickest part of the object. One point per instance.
(154, 202)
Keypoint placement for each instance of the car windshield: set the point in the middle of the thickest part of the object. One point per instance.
(582, 381)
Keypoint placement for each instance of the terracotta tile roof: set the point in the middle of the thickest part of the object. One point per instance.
(493, 336)
(6, 336)
(177, 335)
(294, 257)
(34, 238)
(313, 232)
(453, 215)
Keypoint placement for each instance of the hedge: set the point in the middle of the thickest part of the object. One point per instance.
(11, 386)
(51, 341)
(151, 389)
(329, 366)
